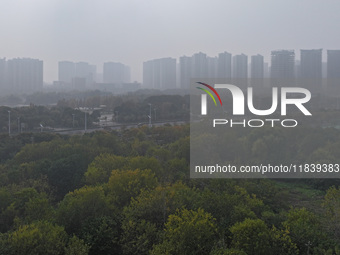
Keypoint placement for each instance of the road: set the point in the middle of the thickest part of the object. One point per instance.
(114, 127)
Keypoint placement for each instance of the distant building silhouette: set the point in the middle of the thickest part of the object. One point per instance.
(202, 66)
(282, 68)
(3, 74)
(224, 66)
(199, 65)
(80, 75)
(185, 71)
(24, 75)
(86, 71)
(212, 67)
(240, 70)
(311, 69)
(333, 68)
(66, 71)
(159, 73)
(116, 73)
(257, 71)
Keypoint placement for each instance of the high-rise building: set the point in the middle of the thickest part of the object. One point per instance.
(66, 71)
(3, 65)
(311, 69)
(212, 64)
(240, 70)
(185, 71)
(257, 71)
(333, 68)
(116, 73)
(80, 75)
(224, 66)
(160, 73)
(282, 68)
(199, 65)
(148, 74)
(84, 72)
(266, 70)
(24, 74)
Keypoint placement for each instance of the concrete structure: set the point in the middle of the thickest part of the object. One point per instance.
(185, 72)
(116, 73)
(3, 74)
(311, 69)
(199, 65)
(282, 68)
(224, 66)
(257, 71)
(333, 68)
(66, 71)
(24, 75)
(212, 65)
(240, 70)
(86, 71)
(159, 73)
(74, 74)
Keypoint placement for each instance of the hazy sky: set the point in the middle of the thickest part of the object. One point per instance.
(133, 31)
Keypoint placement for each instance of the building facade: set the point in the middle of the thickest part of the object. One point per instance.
(282, 68)
(240, 70)
(116, 73)
(257, 71)
(311, 69)
(333, 68)
(159, 73)
(24, 75)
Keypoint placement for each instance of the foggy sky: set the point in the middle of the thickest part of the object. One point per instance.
(133, 31)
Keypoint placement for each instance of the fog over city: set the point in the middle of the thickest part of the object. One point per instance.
(169, 127)
(132, 32)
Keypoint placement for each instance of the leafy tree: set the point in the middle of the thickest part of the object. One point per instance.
(188, 232)
(252, 236)
(27, 205)
(305, 230)
(65, 174)
(222, 251)
(102, 235)
(143, 163)
(80, 206)
(144, 218)
(37, 238)
(38, 208)
(125, 184)
(138, 236)
(101, 167)
(332, 205)
(76, 246)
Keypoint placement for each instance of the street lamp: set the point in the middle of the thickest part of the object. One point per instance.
(9, 122)
(150, 116)
(155, 113)
(85, 121)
